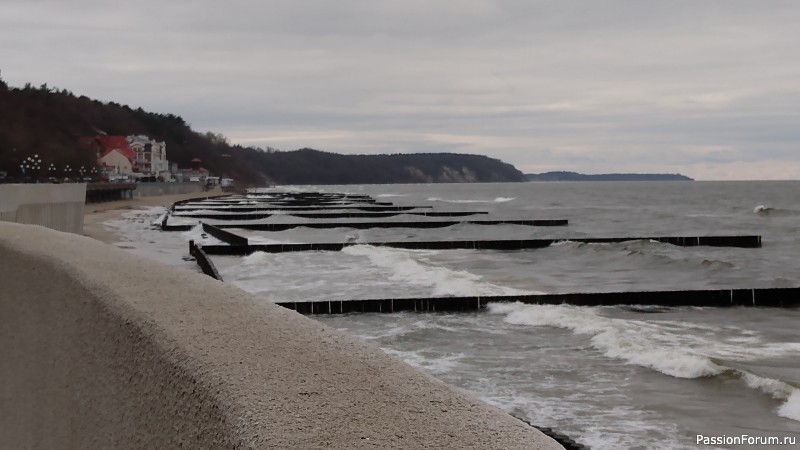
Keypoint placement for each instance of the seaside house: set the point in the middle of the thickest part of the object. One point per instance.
(113, 153)
(137, 155)
(150, 156)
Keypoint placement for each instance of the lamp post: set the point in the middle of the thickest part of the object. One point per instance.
(31, 164)
(67, 171)
(81, 171)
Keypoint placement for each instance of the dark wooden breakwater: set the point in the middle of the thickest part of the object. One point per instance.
(368, 225)
(245, 209)
(762, 298)
(410, 224)
(325, 215)
(235, 247)
(238, 245)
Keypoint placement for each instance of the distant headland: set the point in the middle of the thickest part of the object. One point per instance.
(575, 176)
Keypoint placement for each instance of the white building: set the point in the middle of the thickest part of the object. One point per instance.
(150, 156)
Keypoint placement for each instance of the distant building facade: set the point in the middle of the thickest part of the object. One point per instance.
(117, 162)
(137, 155)
(150, 156)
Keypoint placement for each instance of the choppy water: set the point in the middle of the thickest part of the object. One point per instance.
(609, 377)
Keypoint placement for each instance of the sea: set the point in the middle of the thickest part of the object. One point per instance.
(608, 377)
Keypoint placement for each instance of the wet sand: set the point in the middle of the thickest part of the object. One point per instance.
(97, 213)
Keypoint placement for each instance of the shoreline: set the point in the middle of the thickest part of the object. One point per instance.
(95, 214)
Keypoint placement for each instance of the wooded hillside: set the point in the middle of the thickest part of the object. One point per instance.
(49, 122)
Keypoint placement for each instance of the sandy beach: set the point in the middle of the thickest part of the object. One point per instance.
(97, 213)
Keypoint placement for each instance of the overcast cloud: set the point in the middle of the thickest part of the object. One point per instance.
(710, 89)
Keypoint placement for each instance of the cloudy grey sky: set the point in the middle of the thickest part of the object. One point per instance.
(710, 89)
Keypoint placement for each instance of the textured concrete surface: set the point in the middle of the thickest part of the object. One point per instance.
(56, 206)
(102, 349)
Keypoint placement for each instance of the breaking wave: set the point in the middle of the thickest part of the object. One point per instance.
(411, 266)
(677, 349)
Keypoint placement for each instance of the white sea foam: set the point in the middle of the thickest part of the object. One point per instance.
(791, 409)
(496, 200)
(160, 219)
(391, 195)
(678, 349)
(152, 215)
(173, 220)
(201, 211)
(437, 364)
(260, 240)
(410, 266)
(622, 339)
(762, 209)
(199, 236)
(778, 390)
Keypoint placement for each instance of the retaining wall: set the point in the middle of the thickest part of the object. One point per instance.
(103, 349)
(56, 206)
(154, 189)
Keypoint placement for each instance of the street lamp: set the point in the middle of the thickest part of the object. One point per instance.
(31, 163)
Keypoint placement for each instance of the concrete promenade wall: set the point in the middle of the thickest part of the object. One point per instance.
(56, 206)
(103, 349)
(153, 189)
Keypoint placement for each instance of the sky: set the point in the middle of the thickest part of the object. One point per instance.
(706, 88)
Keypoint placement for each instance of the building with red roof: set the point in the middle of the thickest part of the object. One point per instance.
(112, 152)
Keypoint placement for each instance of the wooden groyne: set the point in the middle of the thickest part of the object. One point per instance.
(203, 261)
(367, 225)
(225, 236)
(331, 215)
(760, 298)
(567, 442)
(410, 224)
(246, 209)
(237, 245)
(511, 244)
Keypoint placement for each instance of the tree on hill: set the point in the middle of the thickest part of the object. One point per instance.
(51, 122)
